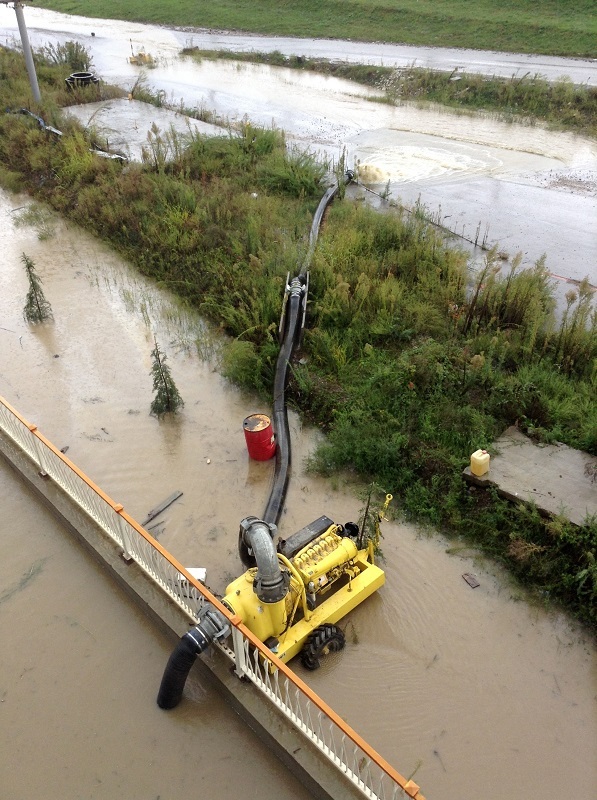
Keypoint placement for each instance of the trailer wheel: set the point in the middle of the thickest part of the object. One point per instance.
(325, 639)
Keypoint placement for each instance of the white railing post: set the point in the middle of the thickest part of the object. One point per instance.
(125, 532)
(238, 642)
(39, 450)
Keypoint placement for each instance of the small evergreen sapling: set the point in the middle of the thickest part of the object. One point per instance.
(37, 308)
(167, 399)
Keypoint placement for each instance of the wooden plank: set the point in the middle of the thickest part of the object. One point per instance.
(471, 580)
(161, 507)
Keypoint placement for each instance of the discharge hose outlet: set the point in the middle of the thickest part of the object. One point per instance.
(212, 625)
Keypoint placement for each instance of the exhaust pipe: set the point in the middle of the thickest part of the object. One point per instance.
(212, 625)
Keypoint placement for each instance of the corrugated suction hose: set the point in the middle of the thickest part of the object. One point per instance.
(212, 625)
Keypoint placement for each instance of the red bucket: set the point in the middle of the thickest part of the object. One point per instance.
(259, 435)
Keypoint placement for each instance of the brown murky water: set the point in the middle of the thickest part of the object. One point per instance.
(476, 692)
(79, 669)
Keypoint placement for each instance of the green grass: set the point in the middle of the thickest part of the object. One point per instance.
(558, 27)
(406, 370)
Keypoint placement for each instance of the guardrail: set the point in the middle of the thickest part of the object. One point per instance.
(337, 741)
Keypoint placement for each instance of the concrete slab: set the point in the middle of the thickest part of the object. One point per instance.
(558, 479)
(125, 124)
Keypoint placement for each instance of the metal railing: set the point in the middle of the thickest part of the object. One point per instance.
(337, 741)
(135, 542)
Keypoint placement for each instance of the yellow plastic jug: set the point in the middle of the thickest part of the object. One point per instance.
(480, 462)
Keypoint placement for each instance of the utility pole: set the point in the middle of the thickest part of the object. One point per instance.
(18, 7)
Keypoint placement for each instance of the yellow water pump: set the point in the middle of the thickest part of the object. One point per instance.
(292, 595)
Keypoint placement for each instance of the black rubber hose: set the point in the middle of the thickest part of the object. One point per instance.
(273, 509)
(178, 668)
(291, 336)
(318, 217)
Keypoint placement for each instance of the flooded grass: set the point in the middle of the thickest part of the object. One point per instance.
(560, 28)
(188, 332)
(561, 104)
(39, 217)
(405, 371)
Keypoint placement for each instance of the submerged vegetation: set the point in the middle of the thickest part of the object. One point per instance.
(37, 308)
(560, 104)
(406, 369)
(167, 399)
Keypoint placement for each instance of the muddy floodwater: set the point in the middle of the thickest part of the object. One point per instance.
(79, 669)
(475, 692)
